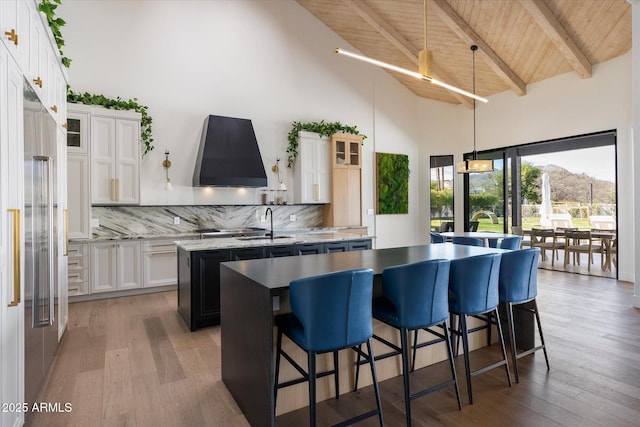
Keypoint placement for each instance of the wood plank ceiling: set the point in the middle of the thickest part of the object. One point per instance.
(520, 41)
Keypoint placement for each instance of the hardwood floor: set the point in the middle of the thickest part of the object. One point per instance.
(132, 362)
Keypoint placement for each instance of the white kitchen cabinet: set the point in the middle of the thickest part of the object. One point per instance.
(159, 263)
(128, 265)
(103, 267)
(312, 172)
(115, 160)
(11, 238)
(15, 28)
(115, 266)
(78, 183)
(77, 129)
(78, 196)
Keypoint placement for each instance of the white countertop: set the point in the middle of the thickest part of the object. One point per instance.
(280, 239)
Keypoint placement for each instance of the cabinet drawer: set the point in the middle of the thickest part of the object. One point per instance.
(158, 245)
(77, 288)
(78, 275)
(77, 263)
(76, 250)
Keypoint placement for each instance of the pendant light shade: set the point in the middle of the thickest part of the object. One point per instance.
(474, 165)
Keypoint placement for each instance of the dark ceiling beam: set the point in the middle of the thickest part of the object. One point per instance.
(547, 21)
(395, 38)
(469, 36)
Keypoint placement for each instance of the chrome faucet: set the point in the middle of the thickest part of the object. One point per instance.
(269, 211)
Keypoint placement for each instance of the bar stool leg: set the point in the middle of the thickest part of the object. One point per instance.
(452, 365)
(504, 351)
(355, 386)
(512, 339)
(544, 347)
(277, 373)
(311, 357)
(375, 381)
(465, 349)
(336, 376)
(405, 373)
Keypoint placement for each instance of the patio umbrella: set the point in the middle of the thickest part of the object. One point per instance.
(545, 207)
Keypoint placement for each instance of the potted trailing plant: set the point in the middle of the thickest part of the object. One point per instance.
(322, 128)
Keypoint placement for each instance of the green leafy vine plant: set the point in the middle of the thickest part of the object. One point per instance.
(146, 135)
(322, 128)
(48, 7)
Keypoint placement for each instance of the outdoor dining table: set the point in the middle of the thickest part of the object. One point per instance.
(607, 237)
(484, 235)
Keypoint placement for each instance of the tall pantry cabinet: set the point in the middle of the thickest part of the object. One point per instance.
(28, 56)
(345, 208)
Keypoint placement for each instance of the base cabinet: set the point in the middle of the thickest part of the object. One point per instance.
(199, 286)
(159, 258)
(199, 275)
(115, 266)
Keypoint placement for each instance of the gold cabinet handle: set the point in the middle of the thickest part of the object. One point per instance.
(54, 108)
(117, 189)
(12, 36)
(65, 126)
(113, 189)
(16, 257)
(66, 232)
(38, 81)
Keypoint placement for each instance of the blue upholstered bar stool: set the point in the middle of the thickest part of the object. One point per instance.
(473, 286)
(415, 296)
(469, 241)
(519, 285)
(512, 243)
(330, 312)
(506, 243)
(436, 237)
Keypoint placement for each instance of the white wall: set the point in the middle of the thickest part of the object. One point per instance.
(563, 106)
(272, 62)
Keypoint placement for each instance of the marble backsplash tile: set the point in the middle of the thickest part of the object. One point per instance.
(146, 220)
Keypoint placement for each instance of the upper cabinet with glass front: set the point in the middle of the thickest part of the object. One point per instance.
(346, 150)
(77, 132)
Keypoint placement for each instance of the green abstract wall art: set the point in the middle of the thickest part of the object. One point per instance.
(392, 183)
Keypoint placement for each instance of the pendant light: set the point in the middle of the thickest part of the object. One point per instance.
(425, 59)
(474, 165)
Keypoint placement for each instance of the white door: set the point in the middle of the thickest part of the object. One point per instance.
(78, 196)
(11, 240)
(129, 276)
(103, 267)
(127, 161)
(103, 152)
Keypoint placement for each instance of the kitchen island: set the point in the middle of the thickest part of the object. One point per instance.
(199, 265)
(253, 292)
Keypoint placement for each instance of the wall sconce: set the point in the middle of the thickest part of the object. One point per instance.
(166, 163)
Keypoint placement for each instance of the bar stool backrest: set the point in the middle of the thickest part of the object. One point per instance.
(419, 292)
(436, 237)
(511, 243)
(334, 309)
(519, 275)
(469, 241)
(473, 283)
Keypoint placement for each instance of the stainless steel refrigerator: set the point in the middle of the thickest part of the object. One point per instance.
(40, 275)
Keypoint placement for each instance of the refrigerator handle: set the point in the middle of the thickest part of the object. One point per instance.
(53, 280)
(66, 232)
(16, 257)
